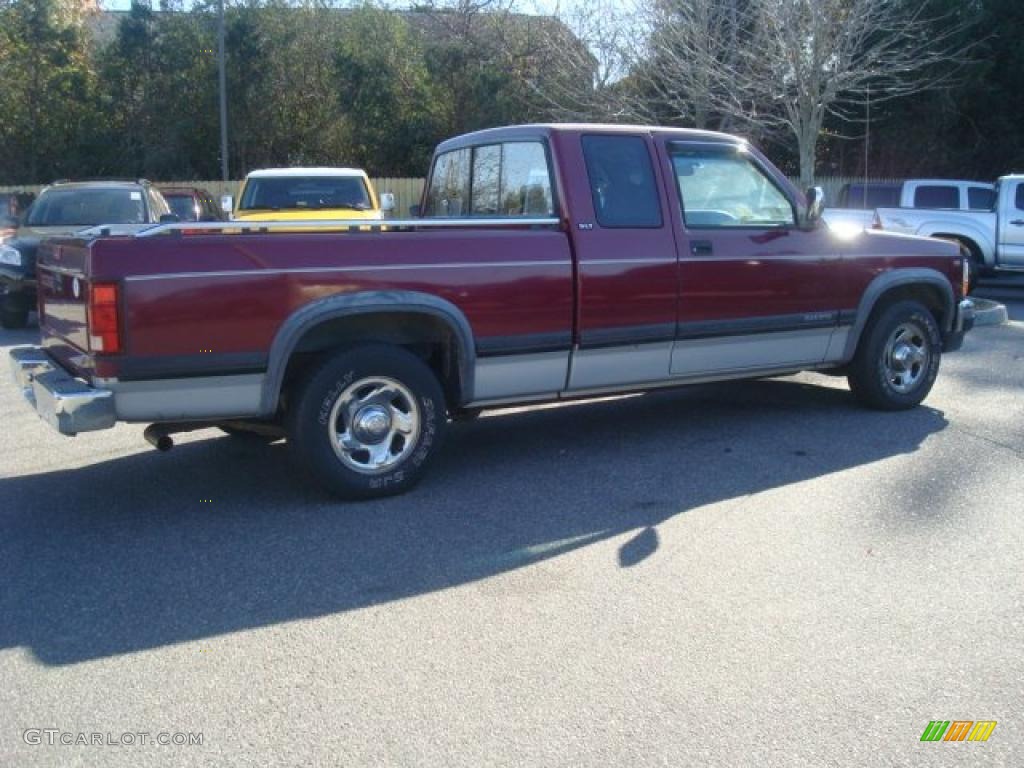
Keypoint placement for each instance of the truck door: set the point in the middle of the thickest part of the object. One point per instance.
(626, 261)
(1011, 223)
(756, 292)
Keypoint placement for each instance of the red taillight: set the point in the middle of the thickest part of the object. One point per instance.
(104, 325)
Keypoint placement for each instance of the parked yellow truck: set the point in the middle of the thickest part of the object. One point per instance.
(309, 194)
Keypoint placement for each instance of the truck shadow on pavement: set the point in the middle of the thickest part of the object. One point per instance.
(154, 549)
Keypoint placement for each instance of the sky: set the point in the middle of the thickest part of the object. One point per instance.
(542, 6)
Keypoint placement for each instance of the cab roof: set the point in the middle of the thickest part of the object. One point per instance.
(284, 173)
(100, 183)
(544, 129)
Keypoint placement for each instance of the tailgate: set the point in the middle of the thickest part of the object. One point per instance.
(61, 271)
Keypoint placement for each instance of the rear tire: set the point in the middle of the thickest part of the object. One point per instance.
(366, 421)
(898, 357)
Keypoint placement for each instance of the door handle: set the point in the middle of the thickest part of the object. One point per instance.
(701, 248)
(1018, 222)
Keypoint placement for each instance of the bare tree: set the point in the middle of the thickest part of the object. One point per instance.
(785, 65)
(693, 60)
(586, 52)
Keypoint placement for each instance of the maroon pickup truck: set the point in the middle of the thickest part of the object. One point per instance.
(545, 262)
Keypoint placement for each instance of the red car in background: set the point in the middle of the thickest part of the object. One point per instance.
(192, 203)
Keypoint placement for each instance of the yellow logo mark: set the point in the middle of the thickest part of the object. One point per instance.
(982, 730)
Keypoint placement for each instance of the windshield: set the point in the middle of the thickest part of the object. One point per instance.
(312, 192)
(182, 206)
(87, 207)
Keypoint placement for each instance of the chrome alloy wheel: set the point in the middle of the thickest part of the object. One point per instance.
(906, 357)
(374, 425)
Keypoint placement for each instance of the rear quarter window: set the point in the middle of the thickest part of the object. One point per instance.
(622, 182)
(981, 198)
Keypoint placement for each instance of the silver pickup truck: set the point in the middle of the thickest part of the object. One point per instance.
(995, 238)
(858, 201)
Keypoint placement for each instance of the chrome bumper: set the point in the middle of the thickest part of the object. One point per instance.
(964, 319)
(66, 403)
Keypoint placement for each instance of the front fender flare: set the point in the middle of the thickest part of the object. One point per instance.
(892, 279)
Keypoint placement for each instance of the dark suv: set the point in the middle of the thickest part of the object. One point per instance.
(63, 208)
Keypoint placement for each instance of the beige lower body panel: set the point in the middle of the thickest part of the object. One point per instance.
(692, 357)
(550, 376)
(208, 397)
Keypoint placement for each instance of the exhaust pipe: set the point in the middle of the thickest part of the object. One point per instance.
(159, 436)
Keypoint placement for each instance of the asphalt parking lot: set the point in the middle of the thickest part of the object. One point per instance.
(757, 574)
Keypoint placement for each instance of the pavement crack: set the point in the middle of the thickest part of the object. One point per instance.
(1019, 453)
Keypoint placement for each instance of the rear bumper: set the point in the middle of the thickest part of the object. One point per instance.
(963, 322)
(66, 403)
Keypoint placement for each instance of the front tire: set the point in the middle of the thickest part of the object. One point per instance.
(898, 357)
(366, 421)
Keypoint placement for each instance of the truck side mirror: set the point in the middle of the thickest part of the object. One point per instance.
(169, 218)
(387, 202)
(227, 203)
(815, 205)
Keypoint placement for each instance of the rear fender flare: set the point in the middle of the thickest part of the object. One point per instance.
(310, 315)
(964, 231)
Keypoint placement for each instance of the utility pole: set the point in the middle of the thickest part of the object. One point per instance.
(223, 91)
(867, 140)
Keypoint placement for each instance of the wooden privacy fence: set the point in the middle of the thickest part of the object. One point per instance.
(407, 190)
(833, 184)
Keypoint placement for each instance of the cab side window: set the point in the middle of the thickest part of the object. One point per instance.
(449, 185)
(722, 187)
(525, 181)
(494, 180)
(487, 180)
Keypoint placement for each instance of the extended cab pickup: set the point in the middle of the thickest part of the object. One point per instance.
(994, 236)
(549, 262)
